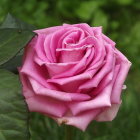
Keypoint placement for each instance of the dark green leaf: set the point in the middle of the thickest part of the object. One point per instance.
(12, 41)
(14, 35)
(13, 63)
(13, 110)
(12, 22)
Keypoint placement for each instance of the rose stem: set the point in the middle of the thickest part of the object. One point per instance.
(68, 132)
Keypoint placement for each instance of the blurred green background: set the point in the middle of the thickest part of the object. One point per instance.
(121, 22)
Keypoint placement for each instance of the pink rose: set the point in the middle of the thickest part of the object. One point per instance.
(73, 74)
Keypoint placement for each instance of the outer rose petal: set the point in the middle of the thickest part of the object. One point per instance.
(58, 95)
(118, 85)
(80, 121)
(46, 105)
(49, 30)
(108, 40)
(30, 68)
(109, 113)
(26, 86)
(100, 101)
(40, 103)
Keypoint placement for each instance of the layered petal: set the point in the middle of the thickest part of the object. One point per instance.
(46, 105)
(55, 94)
(108, 66)
(80, 121)
(118, 85)
(31, 69)
(79, 67)
(109, 113)
(101, 100)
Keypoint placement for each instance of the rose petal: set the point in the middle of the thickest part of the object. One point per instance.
(39, 48)
(31, 69)
(106, 80)
(100, 52)
(46, 105)
(73, 37)
(55, 94)
(67, 56)
(85, 27)
(97, 31)
(77, 68)
(50, 47)
(118, 85)
(102, 100)
(26, 86)
(55, 68)
(49, 30)
(108, 40)
(80, 121)
(71, 84)
(109, 113)
(104, 70)
(65, 40)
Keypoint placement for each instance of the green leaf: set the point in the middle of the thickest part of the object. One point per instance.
(12, 22)
(11, 42)
(13, 109)
(12, 64)
(14, 35)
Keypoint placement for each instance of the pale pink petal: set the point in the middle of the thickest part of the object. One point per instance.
(104, 70)
(100, 52)
(31, 69)
(48, 30)
(102, 100)
(46, 105)
(66, 39)
(58, 68)
(73, 37)
(55, 68)
(80, 121)
(118, 85)
(71, 84)
(108, 40)
(79, 67)
(109, 113)
(110, 77)
(49, 49)
(55, 94)
(39, 48)
(97, 31)
(85, 27)
(27, 90)
(71, 54)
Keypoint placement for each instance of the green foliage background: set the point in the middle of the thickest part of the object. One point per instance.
(121, 22)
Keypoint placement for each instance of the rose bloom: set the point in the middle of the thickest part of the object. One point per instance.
(73, 74)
